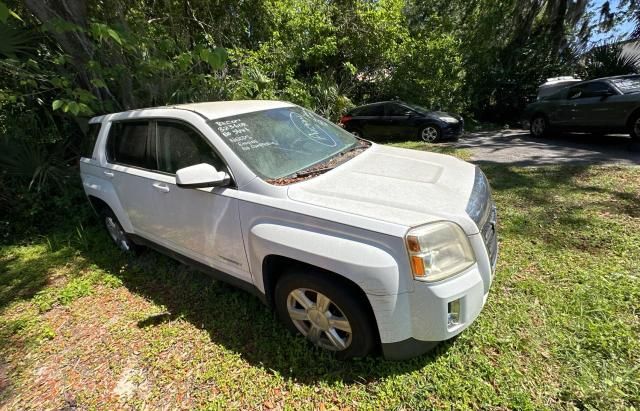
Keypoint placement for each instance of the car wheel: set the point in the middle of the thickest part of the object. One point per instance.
(430, 134)
(325, 312)
(635, 128)
(117, 233)
(357, 133)
(539, 126)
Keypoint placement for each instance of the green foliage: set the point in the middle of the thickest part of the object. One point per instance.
(609, 60)
(62, 62)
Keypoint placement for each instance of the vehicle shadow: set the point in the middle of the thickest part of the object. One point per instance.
(518, 147)
(237, 320)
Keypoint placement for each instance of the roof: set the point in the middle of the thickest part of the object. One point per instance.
(215, 109)
(220, 109)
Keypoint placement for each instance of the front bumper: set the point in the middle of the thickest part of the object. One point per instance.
(430, 304)
(428, 307)
(452, 130)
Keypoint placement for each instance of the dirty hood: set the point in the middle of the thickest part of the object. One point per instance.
(406, 187)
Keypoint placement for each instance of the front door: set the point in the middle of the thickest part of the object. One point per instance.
(397, 122)
(201, 223)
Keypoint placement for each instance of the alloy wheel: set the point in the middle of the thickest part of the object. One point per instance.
(319, 319)
(429, 134)
(117, 233)
(538, 126)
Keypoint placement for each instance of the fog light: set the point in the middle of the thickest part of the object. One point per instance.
(453, 309)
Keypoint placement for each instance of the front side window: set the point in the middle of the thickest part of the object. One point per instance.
(128, 143)
(595, 89)
(280, 142)
(180, 146)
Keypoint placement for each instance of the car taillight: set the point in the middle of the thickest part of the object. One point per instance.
(345, 119)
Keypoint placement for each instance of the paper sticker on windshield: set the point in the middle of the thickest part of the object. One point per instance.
(307, 127)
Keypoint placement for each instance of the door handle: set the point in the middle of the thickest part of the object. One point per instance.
(108, 174)
(161, 187)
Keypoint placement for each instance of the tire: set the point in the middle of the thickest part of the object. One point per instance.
(356, 133)
(539, 126)
(430, 134)
(343, 327)
(117, 233)
(634, 129)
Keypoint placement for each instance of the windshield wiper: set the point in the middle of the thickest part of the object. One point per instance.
(312, 172)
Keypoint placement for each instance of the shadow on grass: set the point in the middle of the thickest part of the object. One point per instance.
(235, 319)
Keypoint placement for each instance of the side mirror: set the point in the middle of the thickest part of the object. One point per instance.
(201, 176)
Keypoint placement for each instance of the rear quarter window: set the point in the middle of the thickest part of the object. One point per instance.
(128, 144)
(367, 111)
(89, 142)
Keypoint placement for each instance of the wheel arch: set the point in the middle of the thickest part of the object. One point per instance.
(275, 266)
(634, 114)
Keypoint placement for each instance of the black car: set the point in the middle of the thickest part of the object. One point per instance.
(397, 119)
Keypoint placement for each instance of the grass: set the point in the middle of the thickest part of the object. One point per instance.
(83, 325)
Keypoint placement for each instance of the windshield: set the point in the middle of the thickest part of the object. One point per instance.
(628, 84)
(280, 142)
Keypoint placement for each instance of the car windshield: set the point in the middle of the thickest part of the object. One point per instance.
(628, 84)
(280, 142)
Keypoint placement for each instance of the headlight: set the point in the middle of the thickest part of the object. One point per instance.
(438, 251)
(448, 119)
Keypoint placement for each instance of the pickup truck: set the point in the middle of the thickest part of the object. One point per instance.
(360, 248)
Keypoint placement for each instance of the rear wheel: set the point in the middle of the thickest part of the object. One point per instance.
(539, 126)
(117, 233)
(430, 134)
(357, 133)
(325, 312)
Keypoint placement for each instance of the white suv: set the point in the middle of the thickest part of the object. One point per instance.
(355, 245)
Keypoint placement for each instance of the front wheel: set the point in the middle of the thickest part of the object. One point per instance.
(635, 128)
(430, 134)
(325, 312)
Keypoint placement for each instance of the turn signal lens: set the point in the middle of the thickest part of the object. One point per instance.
(438, 250)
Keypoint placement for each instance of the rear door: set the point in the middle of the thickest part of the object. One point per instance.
(371, 121)
(128, 166)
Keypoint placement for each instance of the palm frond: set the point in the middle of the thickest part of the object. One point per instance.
(611, 59)
(16, 41)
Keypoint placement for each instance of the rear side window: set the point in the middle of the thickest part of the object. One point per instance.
(393, 109)
(128, 144)
(181, 146)
(376, 111)
(86, 149)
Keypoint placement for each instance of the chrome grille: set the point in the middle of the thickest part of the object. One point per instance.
(482, 211)
(490, 237)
